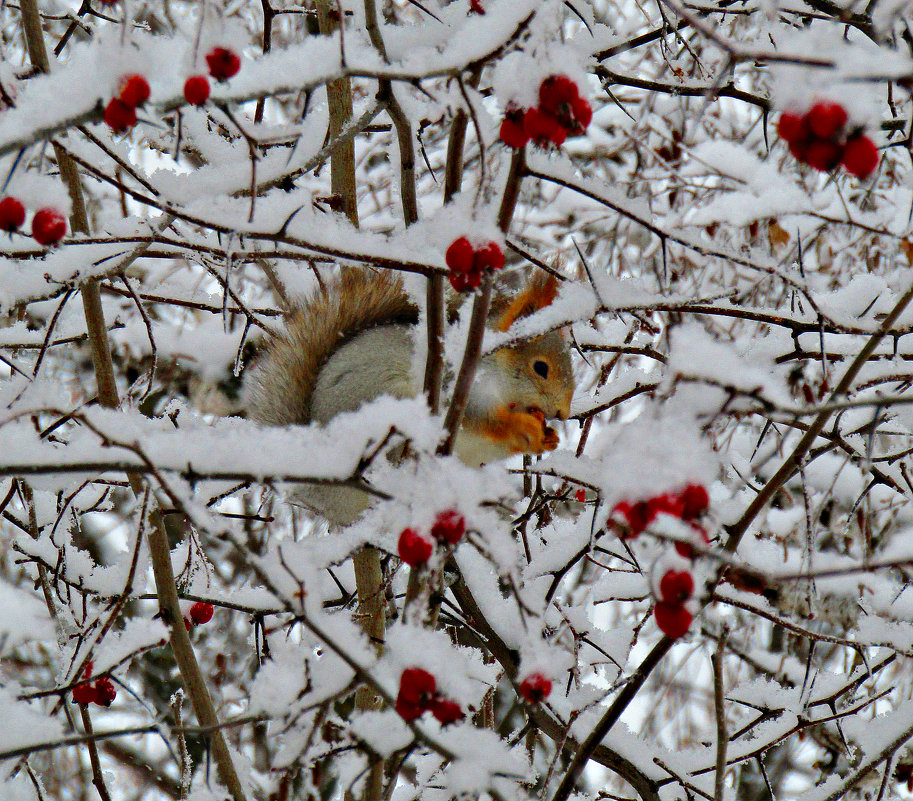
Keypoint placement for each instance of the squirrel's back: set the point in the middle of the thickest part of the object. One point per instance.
(282, 391)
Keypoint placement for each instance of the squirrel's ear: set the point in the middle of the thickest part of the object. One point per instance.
(541, 290)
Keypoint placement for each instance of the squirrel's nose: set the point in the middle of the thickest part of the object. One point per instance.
(563, 411)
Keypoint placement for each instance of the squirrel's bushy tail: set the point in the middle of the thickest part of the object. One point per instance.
(285, 375)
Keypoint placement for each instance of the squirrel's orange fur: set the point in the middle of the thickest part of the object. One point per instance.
(519, 430)
(539, 293)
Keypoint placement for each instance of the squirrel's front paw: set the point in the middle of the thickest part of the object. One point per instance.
(523, 431)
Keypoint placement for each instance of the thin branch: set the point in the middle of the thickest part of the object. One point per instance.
(98, 778)
(736, 530)
(722, 738)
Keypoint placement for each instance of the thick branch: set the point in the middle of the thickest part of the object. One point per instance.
(339, 97)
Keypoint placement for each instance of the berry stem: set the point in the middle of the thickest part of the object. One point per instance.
(98, 778)
(477, 321)
(413, 591)
(512, 188)
(269, 14)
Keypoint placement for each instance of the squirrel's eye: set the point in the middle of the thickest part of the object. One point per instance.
(541, 368)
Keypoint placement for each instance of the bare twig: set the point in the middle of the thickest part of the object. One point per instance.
(722, 738)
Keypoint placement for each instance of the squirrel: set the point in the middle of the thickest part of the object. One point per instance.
(351, 342)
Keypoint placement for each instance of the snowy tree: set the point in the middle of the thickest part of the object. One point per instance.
(699, 594)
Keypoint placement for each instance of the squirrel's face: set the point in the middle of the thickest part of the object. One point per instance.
(540, 374)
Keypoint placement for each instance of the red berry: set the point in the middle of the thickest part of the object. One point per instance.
(188, 623)
(686, 549)
(635, 518)
(416, 693)
(583, 114)
(860, 156)
(676, 587)
(201, 612)
(476, 7)
(413, 548)
(134, 90)
(513, 134)
(673, 619)
(694, 500)
(84, 694)
(223, 63)
(489, 257)
(580, 495)
(556, 94)
(560, 99)
(664, 504)
(799, 149)
(48, 226)
(535, 687)
(408, 710)
(543, 128)
(449, 527)
(823, 155)
(119, 116)
(446, 711)
(462, 282)
(196, 90)
(417, 685)
(460, 255)
(12, 214)
(826, 119)
(105, 691)
(464, 270)
(793, 127)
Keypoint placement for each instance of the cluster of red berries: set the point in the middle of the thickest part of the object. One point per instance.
(448, 529)
(120, 113)
(467, 264)
(418, 694)
(223, 64)
(820, 138)
(561, 113)
(688, 505)
(535, 687)
(675, 587)
(200, 613)
(101, 692)
(48, 225)
(475, 7)
(672, 616)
